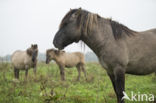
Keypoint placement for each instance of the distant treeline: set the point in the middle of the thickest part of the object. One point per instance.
(89, 57)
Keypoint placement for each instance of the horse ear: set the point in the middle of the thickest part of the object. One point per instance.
(35, 46)
(79, 10)
(77, 13)
(29, 52)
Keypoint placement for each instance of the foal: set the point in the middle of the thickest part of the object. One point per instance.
(67, 60)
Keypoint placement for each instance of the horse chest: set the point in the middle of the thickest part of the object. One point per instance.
(102, 62)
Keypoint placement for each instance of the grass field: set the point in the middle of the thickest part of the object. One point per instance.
(48, 88)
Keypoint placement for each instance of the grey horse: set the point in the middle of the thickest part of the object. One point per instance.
(119, 49)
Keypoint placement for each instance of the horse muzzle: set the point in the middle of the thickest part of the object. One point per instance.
(58, 45)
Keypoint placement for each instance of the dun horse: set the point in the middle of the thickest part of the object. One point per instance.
(68, 60)
(23, 60)
(119, 49)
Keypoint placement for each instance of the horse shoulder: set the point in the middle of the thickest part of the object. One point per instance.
(27, 60)
(116, 54)
(60, 59)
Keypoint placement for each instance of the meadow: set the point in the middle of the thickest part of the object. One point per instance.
(47, 87)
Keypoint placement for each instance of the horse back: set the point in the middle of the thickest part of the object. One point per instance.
(72, 59)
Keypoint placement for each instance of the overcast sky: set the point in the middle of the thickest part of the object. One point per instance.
(23, 22)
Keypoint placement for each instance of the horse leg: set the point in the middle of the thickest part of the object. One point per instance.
(62, 73)
(26, 74)
(16, 73)
(119, 83)
(84, 71)
(112, 78)
(34, 70)
(79, 72)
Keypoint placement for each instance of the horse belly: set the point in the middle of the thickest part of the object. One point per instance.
(70, 65)
(71, 61)
(141, 68)
(18, 65)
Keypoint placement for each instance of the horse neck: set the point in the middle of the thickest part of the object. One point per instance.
(99, 37)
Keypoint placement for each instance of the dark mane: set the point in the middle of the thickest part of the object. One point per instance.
(65, 19)
(118, 30)
(87, 20)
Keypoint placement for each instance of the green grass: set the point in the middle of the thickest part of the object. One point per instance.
(48, 88)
